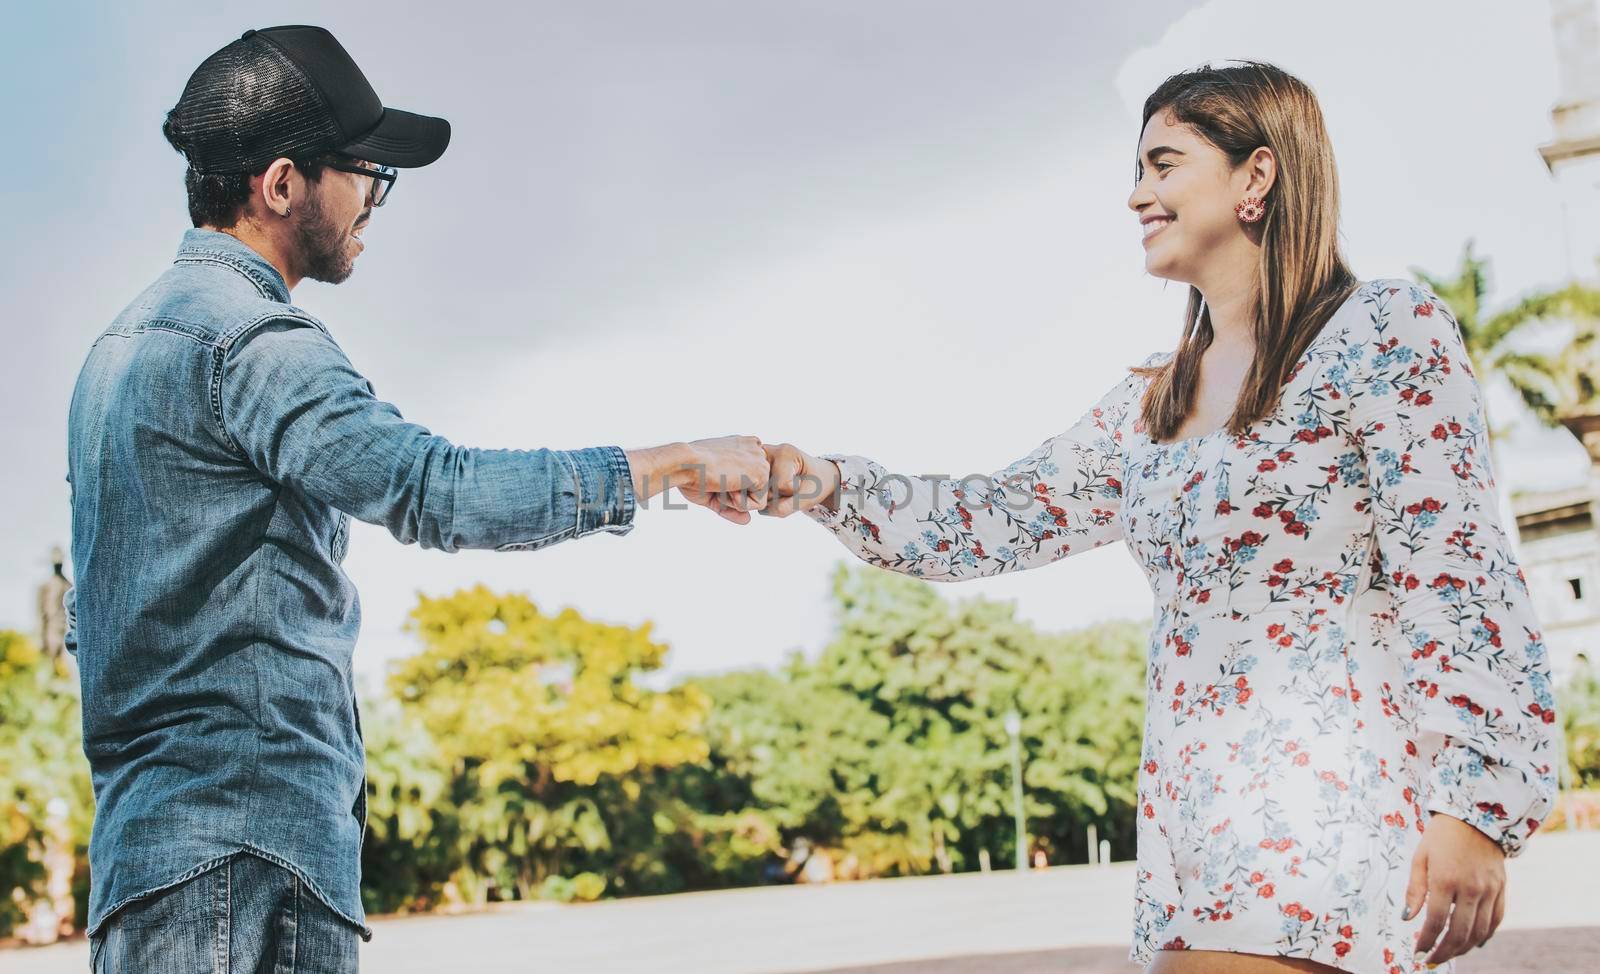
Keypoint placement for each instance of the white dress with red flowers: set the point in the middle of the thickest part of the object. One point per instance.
(1342, 644)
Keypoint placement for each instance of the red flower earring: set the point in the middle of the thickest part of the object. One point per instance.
(1251, 209)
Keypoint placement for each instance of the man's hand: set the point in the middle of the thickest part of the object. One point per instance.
(727, 474)
(1456, 864)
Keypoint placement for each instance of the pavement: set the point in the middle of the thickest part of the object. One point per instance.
(1562, 950)
(1070, 918)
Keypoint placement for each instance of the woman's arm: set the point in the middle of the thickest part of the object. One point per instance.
(1478, 663)
(1060, 499)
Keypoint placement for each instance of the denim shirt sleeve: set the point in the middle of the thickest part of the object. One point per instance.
(290, 401)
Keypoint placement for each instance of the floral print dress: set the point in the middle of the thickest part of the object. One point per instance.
(1342, 640)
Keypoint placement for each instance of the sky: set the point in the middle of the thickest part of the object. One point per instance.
(896, 229)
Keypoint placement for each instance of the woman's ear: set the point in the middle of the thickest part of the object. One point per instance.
(1261, 171)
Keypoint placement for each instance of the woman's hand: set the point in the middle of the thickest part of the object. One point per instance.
(1456, 864)
(797, 480)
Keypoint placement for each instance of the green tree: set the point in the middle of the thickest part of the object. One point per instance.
(413, 834)
(1545, 382)
(546, 733)
(41, 759)
(1578, 707)
(890, 748)
(945, 674)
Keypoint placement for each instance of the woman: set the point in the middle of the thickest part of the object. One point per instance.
(1349, 721)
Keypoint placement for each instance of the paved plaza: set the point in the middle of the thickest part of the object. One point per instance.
(1071, 918)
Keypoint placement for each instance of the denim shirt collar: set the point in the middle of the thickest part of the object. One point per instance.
(200, 244)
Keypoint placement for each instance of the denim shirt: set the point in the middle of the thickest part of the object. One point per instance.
(218, 442)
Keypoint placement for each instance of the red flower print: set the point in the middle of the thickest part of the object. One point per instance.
(1266, 891)
(1284, 567)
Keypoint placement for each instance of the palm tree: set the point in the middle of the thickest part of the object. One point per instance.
(1551, 385)
(1557, 387)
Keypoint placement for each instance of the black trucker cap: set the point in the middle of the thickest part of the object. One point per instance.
(293, 91)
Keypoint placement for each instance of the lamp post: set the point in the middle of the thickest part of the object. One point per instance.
(1014, 731)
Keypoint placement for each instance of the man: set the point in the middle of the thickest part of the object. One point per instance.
(219, 441)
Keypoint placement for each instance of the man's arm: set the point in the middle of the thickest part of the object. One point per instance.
(290, 402)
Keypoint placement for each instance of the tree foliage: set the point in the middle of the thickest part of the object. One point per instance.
(41, 760)
(538, 736)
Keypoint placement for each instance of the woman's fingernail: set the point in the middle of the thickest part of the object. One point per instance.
(1407, 914)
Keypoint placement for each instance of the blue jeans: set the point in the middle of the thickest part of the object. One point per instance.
(244, 914)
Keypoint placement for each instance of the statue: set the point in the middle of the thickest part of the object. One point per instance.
(52, 613)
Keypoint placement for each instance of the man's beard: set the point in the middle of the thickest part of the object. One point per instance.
(323, 249)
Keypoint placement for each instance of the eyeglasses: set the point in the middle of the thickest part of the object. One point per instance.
(383, 177)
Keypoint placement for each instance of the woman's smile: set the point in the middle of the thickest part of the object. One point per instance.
(1154, 225)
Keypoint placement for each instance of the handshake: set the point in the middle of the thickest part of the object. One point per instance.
(734, 475)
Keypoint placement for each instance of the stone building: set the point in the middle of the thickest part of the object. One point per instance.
(1559, 545)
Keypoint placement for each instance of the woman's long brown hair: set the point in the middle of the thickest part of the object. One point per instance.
(1302, 278)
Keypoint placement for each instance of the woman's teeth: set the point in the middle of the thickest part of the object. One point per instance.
(1156, 224)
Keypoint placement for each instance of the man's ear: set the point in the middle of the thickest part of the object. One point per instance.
(280, 187)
